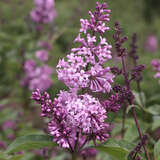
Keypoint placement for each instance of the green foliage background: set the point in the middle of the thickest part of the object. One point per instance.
(17, 33)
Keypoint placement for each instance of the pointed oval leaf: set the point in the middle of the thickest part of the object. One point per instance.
(30, 142)
(138, 100)
(115, 151)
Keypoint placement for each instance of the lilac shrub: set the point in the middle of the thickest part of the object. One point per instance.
(76, 116)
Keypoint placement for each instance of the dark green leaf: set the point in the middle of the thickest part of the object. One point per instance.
(30, 142)
(115, 150)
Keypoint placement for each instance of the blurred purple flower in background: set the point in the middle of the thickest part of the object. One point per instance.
(9, 124)
(3, 145)
(151, 44)
(156, 66)
(37, 76)
(42, 55)
(45, 45)
(43, 12)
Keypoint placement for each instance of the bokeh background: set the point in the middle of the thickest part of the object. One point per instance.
(18, 36)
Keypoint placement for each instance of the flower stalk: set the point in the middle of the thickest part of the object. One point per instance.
(135, 75)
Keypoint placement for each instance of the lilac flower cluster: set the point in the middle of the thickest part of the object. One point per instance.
(37, 76)
(156, 66)
(43, 12)
(84, 67)
(71, 114)
(77, 117)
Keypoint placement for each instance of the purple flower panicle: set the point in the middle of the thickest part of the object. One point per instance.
(43, 12)
(70, 114)
(84, 66)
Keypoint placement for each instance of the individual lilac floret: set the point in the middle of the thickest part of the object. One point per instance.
(71, 114)
(42, 55)
(151, 44)
(84, 67)
(44, 11)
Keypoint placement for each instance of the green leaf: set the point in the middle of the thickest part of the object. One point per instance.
(30, 142)
(156, 122)
(130, 107)
(4, 101)
(157, 151)
(154, 98)
(155, 109)
(3, 156)
(138, 99)
(114, 149)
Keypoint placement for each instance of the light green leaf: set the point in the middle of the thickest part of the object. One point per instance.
(157, 151)
(155, 109)
(156, 122)
(4, 101)
(30, 142)
(139, 101)
(3, 156)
